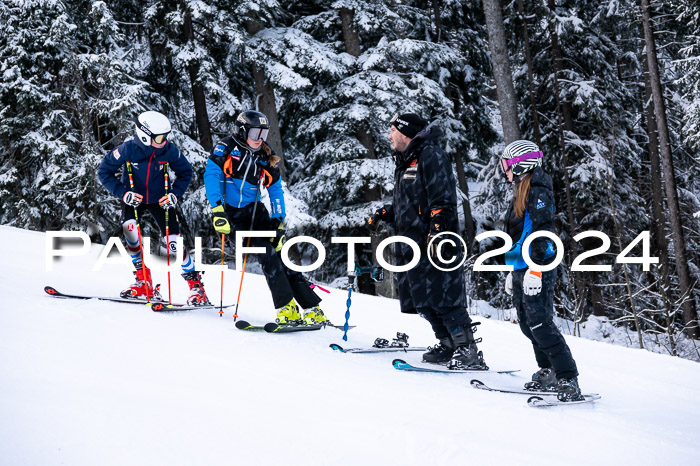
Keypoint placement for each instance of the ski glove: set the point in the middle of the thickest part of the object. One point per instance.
(220, 220)
(374, 219)
(168, 201)
(532, 283)
(131, 198)
(509, 284)
(280, 236)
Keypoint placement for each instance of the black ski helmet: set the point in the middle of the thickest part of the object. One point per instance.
(522, 156)
(247, 120)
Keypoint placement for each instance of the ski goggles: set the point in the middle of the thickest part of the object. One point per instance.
(160, 138)
(258, 133)
(521, 158)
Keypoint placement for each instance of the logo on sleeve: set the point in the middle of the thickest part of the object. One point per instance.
(219, 149)
(116, 154)
(540, 203)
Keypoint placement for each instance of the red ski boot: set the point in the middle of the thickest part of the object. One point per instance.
(142, 286)
(198, 297)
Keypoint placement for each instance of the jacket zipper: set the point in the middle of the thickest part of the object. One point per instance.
(148, 173)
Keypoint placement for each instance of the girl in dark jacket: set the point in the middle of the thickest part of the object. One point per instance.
(532, 210)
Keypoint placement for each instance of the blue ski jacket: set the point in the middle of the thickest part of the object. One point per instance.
(234, 170)
(147, 165)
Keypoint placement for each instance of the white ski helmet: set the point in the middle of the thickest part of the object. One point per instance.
(152, 126)
(522, 156)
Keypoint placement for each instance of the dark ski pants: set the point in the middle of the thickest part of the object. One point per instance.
(535, 314)
(446, 320)
(158, 214)
(284, 284)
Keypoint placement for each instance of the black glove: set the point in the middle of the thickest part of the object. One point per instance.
(379, 215)
(448, 250)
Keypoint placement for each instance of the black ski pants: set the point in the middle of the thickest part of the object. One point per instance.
(284, 284)
(536, 314)
(446, 320)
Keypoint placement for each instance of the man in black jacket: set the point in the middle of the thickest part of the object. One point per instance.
(425, 205)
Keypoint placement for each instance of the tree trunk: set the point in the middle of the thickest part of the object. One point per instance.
(350, 36)
(558, 62)
(200, 101)
(266, 103)
(690, 317)
(501, 71)
(530, 78)
(659, 241)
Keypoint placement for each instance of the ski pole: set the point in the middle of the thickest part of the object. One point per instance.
(138, 230)
(245, 258)
(167, 234)
(351, 283)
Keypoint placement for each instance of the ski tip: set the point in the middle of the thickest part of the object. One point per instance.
(476, 383)
(337, 347)
(399, 363)
(271, 327)
(51, 290)
(537, 401)
(242, 324)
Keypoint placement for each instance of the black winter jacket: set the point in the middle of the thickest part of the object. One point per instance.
(425, 200)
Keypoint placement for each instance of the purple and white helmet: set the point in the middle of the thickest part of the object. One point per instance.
(522, 156)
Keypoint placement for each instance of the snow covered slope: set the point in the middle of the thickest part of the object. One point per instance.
(98, 383)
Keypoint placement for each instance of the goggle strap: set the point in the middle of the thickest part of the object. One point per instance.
(523, 157)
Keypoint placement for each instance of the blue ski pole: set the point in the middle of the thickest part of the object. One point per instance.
(351, 282)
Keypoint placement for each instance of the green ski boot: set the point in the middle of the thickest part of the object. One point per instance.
(314, 315)
(289, 314)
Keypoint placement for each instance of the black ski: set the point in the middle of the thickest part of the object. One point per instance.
(243, 325)
(276, 328)
(157, 306)
(402, 365)
(272, 327)
(372, 349)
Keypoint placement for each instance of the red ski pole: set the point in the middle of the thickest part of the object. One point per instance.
(167, 234)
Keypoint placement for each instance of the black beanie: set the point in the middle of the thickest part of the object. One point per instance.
(408, 124)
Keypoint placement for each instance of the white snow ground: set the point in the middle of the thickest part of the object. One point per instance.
(98, 383)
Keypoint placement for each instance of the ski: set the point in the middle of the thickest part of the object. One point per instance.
(373, 349)
(157, 306)
(272, 327)
(243, 325)
(537, 393)
(539, 402)
(402, 365)
(522, 391)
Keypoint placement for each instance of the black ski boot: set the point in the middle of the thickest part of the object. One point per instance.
(543, 380)
(568, 390)
(466, 356)
(440, 353)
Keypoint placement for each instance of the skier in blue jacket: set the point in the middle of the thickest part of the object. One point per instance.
(532, 210)
(236, 166)
(148, 153)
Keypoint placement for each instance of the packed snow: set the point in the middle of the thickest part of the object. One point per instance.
(100, 383)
